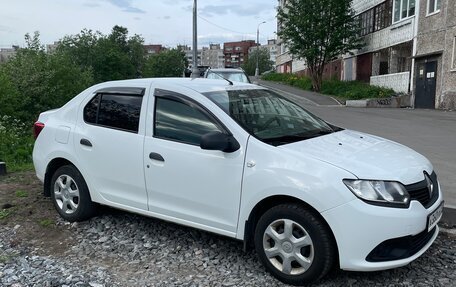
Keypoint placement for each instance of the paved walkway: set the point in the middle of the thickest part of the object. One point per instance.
(301, 96)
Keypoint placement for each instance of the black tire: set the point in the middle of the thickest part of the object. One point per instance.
(82, 207)
(321, 252)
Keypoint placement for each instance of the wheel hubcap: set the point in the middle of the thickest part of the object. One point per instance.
(288, 247)
(66, 194)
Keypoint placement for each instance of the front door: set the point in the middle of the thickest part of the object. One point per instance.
(185, 183)
(426, 79)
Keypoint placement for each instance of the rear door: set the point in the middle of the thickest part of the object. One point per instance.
(185, 183)
(109, 139)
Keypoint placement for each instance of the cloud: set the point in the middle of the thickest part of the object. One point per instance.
(240, 10)
(126, 6)
(5, 29)
(91, 4)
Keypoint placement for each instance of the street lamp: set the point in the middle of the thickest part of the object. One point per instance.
(257, 70)
(195, 71)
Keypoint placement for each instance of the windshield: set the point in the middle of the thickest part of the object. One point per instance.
(268, 116)
(231, 75)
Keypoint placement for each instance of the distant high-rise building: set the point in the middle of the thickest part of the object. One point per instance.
(237, 52)
(213, 56)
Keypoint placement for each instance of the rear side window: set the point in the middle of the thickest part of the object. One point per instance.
(180, 122)
(115, 111)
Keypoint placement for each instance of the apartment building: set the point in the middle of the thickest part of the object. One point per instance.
(435, 59)
(410, 46)
(7, 53)
(237, 52)
(389, 29)
(272, 48)
(213, 56)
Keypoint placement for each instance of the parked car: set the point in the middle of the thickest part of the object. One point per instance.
(241, 161)
(236, 75)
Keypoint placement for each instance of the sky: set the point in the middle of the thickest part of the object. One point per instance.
(167, 22)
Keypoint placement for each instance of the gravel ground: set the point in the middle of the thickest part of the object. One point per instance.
(121, 249)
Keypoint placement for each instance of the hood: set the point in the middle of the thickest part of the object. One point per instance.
(365, 156)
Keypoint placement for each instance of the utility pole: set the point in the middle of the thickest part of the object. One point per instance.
(195, 71)
(257, 70)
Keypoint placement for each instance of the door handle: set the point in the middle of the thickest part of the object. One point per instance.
(85, 142)
(156, 156)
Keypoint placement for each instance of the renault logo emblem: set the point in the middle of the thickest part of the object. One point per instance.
(430, 185)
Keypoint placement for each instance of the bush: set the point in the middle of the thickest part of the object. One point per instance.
(352, 90)
(301, 82)
(16, 143)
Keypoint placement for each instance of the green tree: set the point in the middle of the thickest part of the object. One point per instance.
(318, 32)
(33, 81)
(111, 57)
(264, 62)
(170, 63)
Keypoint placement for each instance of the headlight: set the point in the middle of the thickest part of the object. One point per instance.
(387, 193)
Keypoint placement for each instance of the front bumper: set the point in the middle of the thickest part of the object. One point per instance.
(359, 228)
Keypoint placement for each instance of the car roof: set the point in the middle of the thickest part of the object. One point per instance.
(233, 70)
(201, 85)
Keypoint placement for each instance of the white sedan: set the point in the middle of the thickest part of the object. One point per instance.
(241, 161)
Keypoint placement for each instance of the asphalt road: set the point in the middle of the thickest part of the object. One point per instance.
(430, 132)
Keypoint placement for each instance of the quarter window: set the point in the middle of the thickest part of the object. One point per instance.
(403, 9)
(433, 6)
(114, 111)
(180, 122)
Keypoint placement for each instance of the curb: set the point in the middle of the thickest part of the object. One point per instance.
(449, 216)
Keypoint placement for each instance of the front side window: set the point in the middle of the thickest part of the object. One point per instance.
(178, 121)
(433, 6)
(268, 116)
(114, 111)
(403, 9)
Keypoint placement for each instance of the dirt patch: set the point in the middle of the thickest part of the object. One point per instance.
(24, 208)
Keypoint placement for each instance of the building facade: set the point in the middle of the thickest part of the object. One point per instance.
(271, 47)
(213, 56)
(236, 52)
(435, 69)
(188, 51)
(153, 49)
(389, 29)
(7, 53)
(410, 46)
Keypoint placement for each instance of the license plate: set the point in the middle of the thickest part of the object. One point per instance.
(434, 217)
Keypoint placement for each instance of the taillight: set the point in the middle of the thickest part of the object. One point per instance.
(37, 128)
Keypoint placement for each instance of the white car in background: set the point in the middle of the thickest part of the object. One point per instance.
(230, 74)
(241, 161)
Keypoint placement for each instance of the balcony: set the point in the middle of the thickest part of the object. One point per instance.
(399, 82)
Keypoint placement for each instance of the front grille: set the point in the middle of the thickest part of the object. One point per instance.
(420, 192)
(400, 248)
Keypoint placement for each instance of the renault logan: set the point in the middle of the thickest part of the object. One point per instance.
(241, 161)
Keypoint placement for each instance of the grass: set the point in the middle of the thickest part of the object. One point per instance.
(21, 193)
(346, 90)
(16, 144)
(4, 213)
(46, 222)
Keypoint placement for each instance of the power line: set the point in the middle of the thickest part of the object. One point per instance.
(223, 28)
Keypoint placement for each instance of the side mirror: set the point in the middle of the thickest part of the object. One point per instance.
(219, 141)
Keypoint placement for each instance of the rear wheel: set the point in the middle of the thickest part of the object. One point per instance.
(70, 194)
(294, 244)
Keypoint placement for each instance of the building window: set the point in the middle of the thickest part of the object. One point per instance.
(376, 19)
(403, 9)
(433, 6)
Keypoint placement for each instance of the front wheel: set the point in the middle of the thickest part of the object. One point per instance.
(294, 245)
(70, 195)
